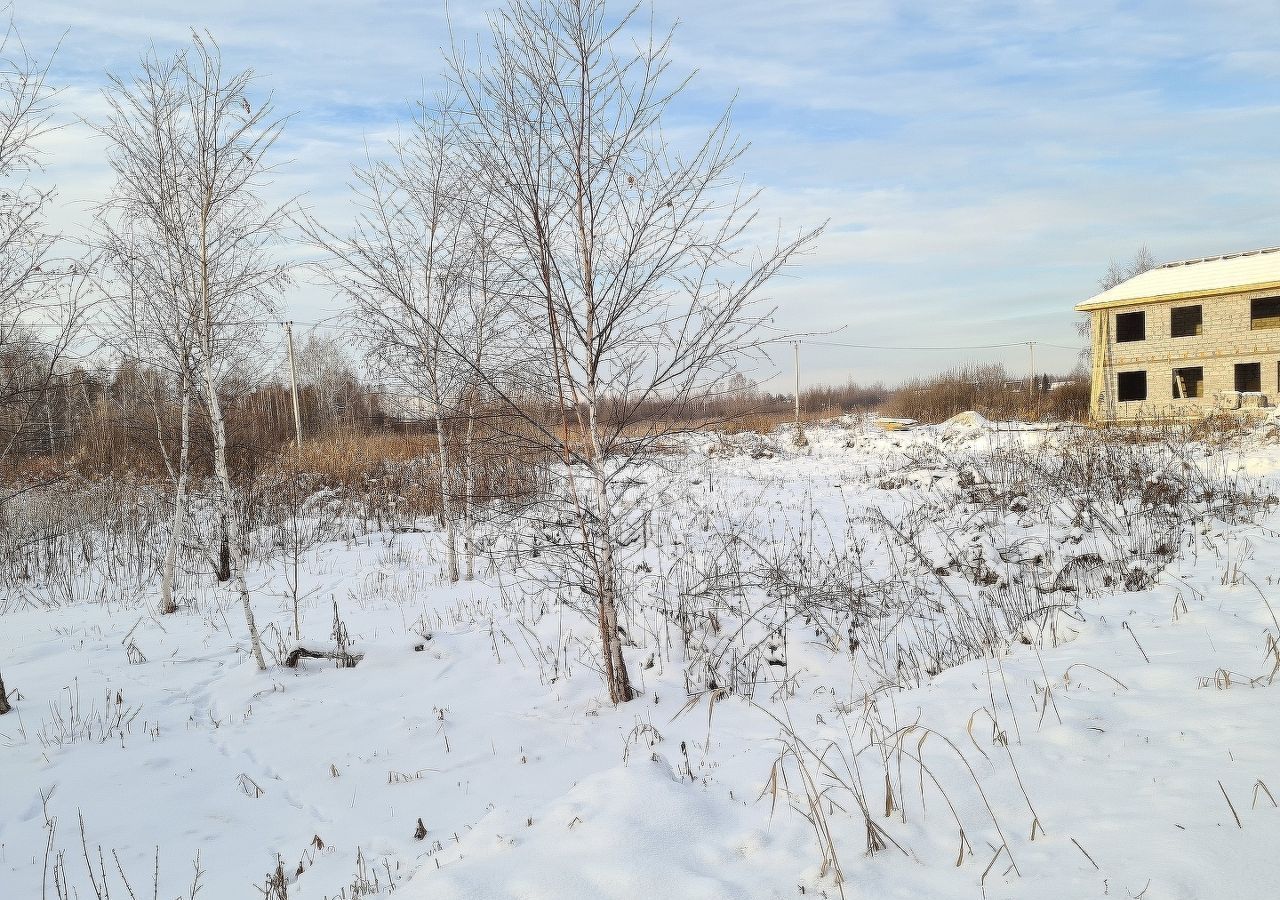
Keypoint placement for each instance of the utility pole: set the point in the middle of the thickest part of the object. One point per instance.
(1031, 368)
(801, 440)
(796, 345)
(293, 384)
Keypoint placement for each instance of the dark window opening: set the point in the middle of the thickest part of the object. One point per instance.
(1131, 386)
(1186, 321)
(1264, 313)
(1249, 377)
(1131, 327)
(1188, 382)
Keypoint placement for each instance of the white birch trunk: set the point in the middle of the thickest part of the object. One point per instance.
(446, 501)
(218, 426)
(602, 548)
(468, 495)
(48, 410)
(178, 527)
(226, 508)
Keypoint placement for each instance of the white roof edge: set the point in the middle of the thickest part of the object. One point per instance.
(1202, 259)
(1207, 274)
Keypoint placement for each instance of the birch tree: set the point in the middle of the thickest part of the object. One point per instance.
(324, 367)
(191, 150)
(405, 268)
(487, 354)
(639, 264)
(1116, 273)
(151, 318)
(42, 296)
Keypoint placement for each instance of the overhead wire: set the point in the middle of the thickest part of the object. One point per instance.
(941, 348)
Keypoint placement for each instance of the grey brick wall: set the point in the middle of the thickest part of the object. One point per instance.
(1226, 340)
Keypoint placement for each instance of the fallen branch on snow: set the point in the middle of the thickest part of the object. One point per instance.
(344, 660)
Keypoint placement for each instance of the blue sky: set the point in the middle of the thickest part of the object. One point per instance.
(979, 162)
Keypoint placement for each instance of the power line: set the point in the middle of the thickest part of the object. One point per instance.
(345, 327)
(956, 347)
(1060, 346)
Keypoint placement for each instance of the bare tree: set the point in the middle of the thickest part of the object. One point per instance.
(634, 263)
(191, 154)
(405, 268)
(1118, 273)
(325, 368)
(151, 318)
(487, 355)
(41, 295)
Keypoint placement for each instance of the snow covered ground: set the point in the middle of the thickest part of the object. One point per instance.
(821, 671)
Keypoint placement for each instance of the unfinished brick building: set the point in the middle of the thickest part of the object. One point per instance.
(1188, 338)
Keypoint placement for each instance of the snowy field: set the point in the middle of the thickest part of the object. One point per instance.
(957, 661)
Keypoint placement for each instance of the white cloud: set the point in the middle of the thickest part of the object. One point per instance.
(979, 162)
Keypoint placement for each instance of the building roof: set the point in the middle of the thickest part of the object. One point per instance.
(1189, 278)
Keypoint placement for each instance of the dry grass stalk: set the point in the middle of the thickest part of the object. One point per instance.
(1230, 805)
